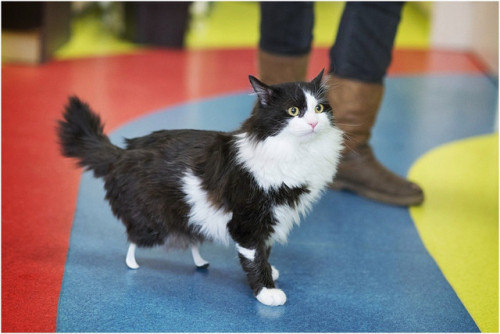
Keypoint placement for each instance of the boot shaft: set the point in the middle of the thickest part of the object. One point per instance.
(275, 69)
(355, 106)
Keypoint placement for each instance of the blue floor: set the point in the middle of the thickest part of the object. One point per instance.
(352, 266)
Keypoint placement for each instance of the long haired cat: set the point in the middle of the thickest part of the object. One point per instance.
(182, 187)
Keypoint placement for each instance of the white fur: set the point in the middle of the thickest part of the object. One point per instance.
(198, 260)
(311, 101)
(249, 254)
(288, 216)
(212, 221)
(311, 116)
(130, 259)
(271, 297)
(299, 155)
(132, 263)
(275, 273)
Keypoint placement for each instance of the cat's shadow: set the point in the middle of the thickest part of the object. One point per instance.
(155, 266)
(173, 280)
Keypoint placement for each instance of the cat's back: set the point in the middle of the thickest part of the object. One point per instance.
(182, 146)
(172, 139)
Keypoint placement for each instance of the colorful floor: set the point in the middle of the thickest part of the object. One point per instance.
(357, 265)
(352, 266)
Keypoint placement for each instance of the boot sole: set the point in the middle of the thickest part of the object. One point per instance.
(377, 196)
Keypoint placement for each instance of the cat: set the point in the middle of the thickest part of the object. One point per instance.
(182, 187)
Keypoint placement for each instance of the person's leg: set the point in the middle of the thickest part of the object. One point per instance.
(365, 39)
(285, 41)
(359, 62)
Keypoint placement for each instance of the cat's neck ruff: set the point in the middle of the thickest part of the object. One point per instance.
(291, 160)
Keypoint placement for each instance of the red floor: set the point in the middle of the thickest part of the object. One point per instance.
(39, 187)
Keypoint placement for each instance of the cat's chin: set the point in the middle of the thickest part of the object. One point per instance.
(307, 135)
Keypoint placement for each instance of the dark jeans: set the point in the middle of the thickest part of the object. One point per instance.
(362, 49)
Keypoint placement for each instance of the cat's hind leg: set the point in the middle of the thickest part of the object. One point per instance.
(198, 260)
(130, 259)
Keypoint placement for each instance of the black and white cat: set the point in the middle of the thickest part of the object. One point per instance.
(182, 187)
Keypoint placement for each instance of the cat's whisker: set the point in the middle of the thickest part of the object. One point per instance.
(347, 124)
(348, 146)
(349, 140)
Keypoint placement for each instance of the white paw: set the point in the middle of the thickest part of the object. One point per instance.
(271, 297)
(201, 263)
(198, 260)
(132, 264)
(130, 259)
(275, 273)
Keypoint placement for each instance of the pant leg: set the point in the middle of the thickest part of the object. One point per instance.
(286, 27)
(363, 47)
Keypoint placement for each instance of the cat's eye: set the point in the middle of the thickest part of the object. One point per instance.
(293, 111)
(319, 108)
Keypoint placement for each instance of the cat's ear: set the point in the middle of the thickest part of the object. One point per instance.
(264, 92)
(317, 81)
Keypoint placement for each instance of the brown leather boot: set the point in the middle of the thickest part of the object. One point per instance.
(275, 69)
(355, 105)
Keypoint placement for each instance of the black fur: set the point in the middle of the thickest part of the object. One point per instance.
(265, 121)
(143, 182)
(81, 136)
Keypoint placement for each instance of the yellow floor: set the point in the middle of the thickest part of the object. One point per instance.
(235, 25)
(91, 37)
(460, 231)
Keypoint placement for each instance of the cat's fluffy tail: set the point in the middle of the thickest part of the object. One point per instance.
(81, 136)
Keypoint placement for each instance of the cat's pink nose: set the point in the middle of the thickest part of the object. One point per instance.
(313, 124)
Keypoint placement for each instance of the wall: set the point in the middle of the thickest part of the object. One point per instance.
(467, 26)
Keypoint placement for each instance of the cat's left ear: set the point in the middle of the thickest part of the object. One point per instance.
(317, 81)
(264, 92)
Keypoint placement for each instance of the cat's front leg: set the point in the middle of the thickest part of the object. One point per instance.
(260, 275)
(275, 272)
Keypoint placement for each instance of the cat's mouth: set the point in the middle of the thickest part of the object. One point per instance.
(308, 133)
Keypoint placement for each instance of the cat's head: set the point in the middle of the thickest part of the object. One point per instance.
(297, 109)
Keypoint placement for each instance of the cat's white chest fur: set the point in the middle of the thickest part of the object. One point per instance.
(283, 159)
(287, 216)
(286, 159)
